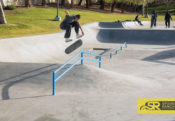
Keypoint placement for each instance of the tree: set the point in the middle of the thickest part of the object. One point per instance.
(133, 5)
(27, 3)
(63, 2)
(167, 4)
(43, 2)
(87, 3)
(79, 4)
(90, 2)
(2, 15)
(113, 6)
(102, 4)
(146, 15)
(72, 3)
(143, 7)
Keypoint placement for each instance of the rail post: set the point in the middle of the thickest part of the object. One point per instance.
(126, 44)
(116, 52)
(81, 57)
(110, 55)
(121, 47)
(99, 61)
(53, 84)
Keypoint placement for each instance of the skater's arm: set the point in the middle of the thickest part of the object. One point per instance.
(67, 13)
(81, 30)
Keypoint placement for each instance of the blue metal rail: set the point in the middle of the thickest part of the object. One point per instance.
(117, 50)
(69, 61)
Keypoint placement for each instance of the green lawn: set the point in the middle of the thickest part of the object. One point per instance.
(161, 9)
(34, 21)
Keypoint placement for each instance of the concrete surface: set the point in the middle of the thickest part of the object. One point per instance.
(144, 70)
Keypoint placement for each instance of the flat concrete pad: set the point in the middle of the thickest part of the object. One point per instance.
(86, 93)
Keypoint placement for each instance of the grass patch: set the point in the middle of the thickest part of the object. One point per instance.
(161, 9)
(36, 21)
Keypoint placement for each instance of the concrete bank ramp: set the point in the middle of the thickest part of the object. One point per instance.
(133, 33)
(111, 25)
(133, 36)
(124, 24)
(135, 25)
(49, 48)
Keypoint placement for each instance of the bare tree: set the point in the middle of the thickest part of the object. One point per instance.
(43, 2)
(79, 4)
(72, 3)
(63, 2)
(143, 7)
(168, 2)
(146, 15)
(2, 15)
(27, 3)
(102, 4)
(113, 5)
(87, 3)
(2, 3)
(90, 2)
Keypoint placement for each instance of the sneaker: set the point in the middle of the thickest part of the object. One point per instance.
(79, 36)
(68, 39)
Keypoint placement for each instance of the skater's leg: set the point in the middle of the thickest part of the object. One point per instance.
(140, 23)
(68, 31)
(166, 24)
(169, 24)
(76, 25)
(151, 23)
(155, 22)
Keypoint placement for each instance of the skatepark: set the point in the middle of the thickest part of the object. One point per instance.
(145, 69)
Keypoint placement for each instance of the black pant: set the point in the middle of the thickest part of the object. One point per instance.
(139, 22)
(68, 27)
(153, 22)
(167, 23)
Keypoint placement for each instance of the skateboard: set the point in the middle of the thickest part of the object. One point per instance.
(74, 46)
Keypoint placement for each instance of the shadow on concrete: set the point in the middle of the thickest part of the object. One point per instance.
(32, 74)
(22, 74)
(110, 25)
(47, 118)
(104, 50)
(39, 75)
(40, 96)
(161, 56)
(133, 36)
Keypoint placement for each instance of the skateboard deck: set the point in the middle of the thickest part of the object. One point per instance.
(74, 46)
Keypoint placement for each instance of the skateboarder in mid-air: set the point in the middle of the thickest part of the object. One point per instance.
(167, 19)
(69, 22)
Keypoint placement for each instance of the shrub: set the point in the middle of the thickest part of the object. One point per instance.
(10, 7)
